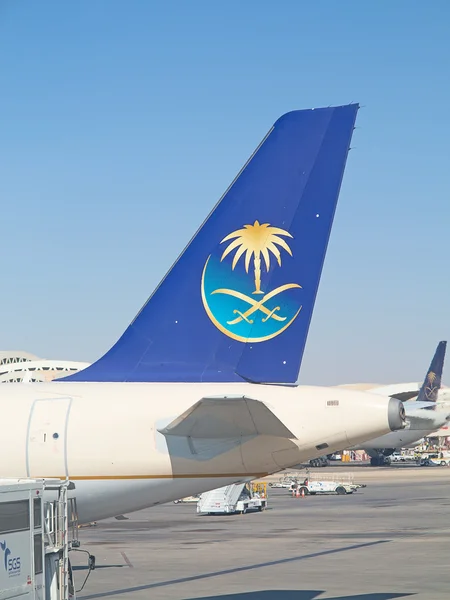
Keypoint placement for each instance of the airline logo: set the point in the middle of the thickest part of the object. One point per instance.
(431, 388)
(236, 290)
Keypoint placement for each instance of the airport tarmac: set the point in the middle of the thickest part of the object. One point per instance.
(388, 540)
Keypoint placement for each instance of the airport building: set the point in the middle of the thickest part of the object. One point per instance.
(23, 367)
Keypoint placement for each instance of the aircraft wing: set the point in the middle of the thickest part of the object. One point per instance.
(226, 417)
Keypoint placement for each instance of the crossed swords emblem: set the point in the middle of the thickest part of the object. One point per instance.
(431, 389)
(257, 305)
(431, 392)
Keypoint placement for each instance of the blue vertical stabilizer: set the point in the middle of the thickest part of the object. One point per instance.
(432, 382)
(238, 302)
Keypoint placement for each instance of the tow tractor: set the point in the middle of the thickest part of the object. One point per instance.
(187, 500)
(36, 536)
(286, 480)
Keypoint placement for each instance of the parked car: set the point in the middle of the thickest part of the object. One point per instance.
(335, 456)
(397, 457)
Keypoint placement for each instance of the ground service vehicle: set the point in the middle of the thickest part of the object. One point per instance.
(35, 539)
(230, 499)
(396, 457)
(322, 487)
(441, 459)
(322, 461)
(339, 484)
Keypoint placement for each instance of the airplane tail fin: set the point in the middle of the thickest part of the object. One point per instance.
(237, 303)
(432, 382)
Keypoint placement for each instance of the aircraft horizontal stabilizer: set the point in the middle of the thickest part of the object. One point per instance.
(225, 418)
(405, 396)
(417, 405)
(419, 417)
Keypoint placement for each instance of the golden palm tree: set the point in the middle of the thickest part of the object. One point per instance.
(256, 240)
(431, 377)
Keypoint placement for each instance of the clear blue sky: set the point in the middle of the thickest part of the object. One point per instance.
(122, 122)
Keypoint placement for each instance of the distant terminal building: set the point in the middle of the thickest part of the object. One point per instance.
(23, 367)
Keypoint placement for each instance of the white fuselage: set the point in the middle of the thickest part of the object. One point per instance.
(104, 437)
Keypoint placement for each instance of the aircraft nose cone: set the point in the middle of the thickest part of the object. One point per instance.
(396, 414)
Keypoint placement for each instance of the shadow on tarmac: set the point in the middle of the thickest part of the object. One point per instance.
(97, 567)
(300, 595)
(264, 595)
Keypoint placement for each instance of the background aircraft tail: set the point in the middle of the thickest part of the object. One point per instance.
(432, 382)
(237, 303)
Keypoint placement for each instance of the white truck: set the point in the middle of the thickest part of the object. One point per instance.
(36, 535)
(313, 483)
(396, 457)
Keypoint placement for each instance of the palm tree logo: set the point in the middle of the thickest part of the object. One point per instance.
(256, 240)
(268, 318)
(431, 387)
